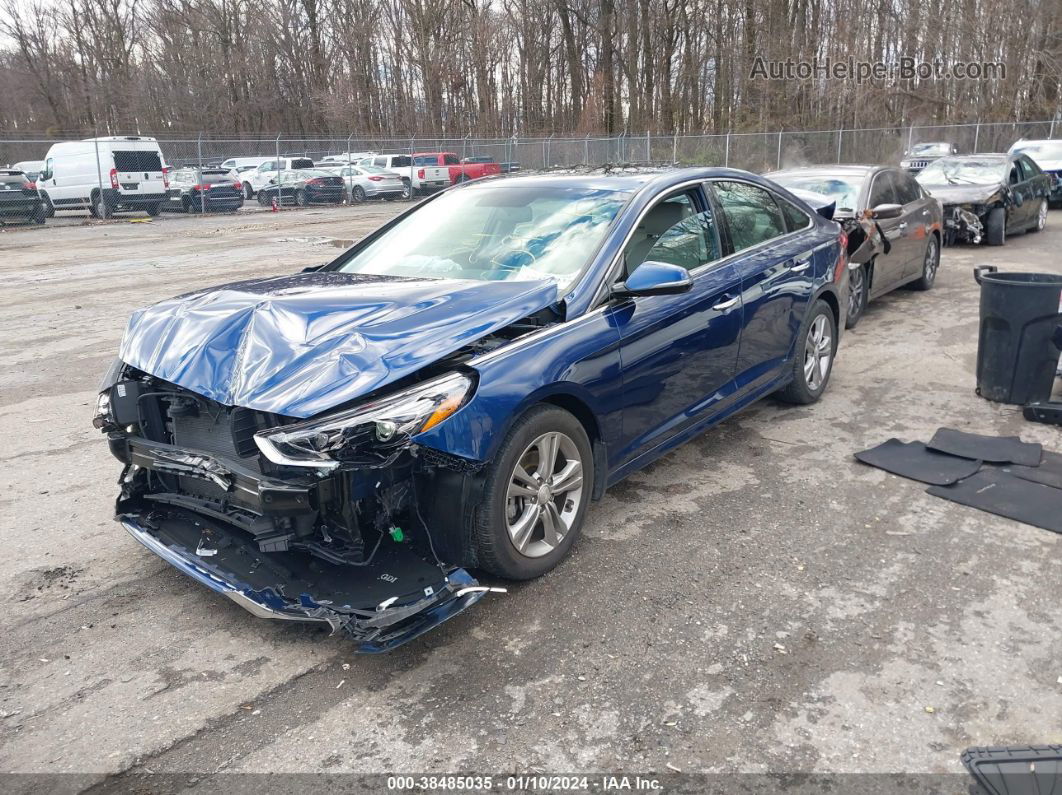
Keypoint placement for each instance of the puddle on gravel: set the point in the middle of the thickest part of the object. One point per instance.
(316, 241)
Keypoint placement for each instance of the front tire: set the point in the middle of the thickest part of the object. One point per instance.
(930, 265)
(263, 199)
(858, 294)
(996, 227)
(813, 362)
(536, 494)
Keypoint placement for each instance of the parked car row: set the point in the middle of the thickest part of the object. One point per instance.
(985, 197)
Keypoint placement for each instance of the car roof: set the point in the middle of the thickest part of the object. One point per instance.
(649, 179)
(982, 156)
(855, 169)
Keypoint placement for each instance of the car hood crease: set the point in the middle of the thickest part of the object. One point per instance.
(300, 345)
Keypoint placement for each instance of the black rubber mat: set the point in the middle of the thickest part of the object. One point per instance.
(915, 461)
(1049, 472)
(1003, 494)
(1015, 770)
(997, 449)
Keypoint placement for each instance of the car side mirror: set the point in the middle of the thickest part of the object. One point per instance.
(655, 278)
(1019, 200)
(885, 211)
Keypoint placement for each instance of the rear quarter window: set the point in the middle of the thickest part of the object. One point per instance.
(795, 218)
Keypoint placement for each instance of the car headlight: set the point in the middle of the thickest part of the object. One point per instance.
(345, 437)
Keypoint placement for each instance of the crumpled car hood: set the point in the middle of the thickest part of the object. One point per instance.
(299, 345)
(963, 194)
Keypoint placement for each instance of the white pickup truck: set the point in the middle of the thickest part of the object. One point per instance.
(256, 179)
(422, 179)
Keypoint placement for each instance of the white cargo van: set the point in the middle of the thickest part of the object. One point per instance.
(105, 175)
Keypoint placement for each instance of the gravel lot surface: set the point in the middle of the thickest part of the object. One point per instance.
(756, 601)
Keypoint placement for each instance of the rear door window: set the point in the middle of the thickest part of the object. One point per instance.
(137, 160)
(751, 213)
(301, 162)
(795, 218)
(907, 190)
(451, 160)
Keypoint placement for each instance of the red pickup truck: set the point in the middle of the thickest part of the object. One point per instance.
(459, 172)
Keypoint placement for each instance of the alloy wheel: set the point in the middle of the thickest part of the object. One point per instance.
(544, 494)
(932, 261)
(818, 352)
(857, 285)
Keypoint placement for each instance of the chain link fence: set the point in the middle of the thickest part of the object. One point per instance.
(758, 152)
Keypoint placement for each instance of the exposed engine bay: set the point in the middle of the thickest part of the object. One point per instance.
(963, 225)
(346, 545)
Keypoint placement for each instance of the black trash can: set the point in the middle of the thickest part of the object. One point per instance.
(1017, 357)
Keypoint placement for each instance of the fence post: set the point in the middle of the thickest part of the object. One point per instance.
(348, 182)
(412, 192)
(674, 148)
(977, 135)
(726, 155)
(1051, 129)
(99, 178)
(778, 163)
(280, 172)
(464, 146)
(840, 138)
(586, 150)
(199, 172)
(910, 137)
(648, 149)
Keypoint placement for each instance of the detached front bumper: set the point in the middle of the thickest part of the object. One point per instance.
(210, 556)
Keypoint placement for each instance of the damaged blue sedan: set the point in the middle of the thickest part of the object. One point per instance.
(453, 392)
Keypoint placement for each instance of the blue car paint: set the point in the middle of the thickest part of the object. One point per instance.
(300, 345)
(645, 373)
(303, 608)
(655, 371)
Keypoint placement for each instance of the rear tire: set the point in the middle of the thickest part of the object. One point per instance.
(248, 191)
(153, 210)
(102, 209)
(812, 365)
(49, 208)
(407, 189)
(41, 215)
(858, 278)
(357, 194)
(300, 198)
(263, 199)
(1041, 217)
(996, 227)
(519, 505)
(930, 265)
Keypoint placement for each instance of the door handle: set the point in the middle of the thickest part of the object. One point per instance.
(725, 304)
(902, 226)
(801, 266)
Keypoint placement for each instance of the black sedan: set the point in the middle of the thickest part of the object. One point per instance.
(193, 190)
(986, 197)
(19, 199)
(894, 227)
(303, 187)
